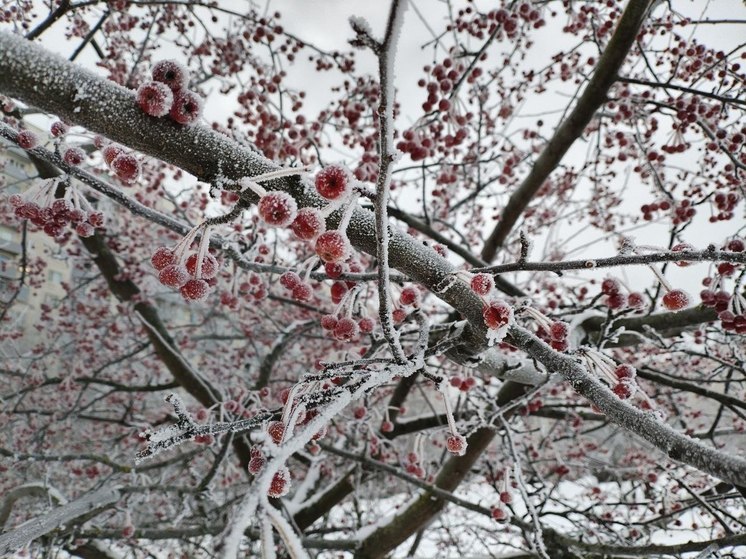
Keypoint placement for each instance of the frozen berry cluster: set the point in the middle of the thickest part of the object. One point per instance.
(52, 215)
(125, 165)
(168, 94)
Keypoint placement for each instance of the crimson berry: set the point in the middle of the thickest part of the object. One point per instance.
(409, 296)
(399, 315)
(456, 381)
(623, 390)
(195, 290)
(328, 322)
(456, 444)
(289, 280)
(174, 276)
(162, 257)
(27, 139)
(277, 209)
(276, 430)
(625, 371)
(155, 98)
(128, 530)
(209, 266)
(366, 325)
(171, 73)
(85, 230)
(616, 300)
(496, 314)
(308, 224)
(610, 286)
(256, 463)
(498, 514)
(736, 245)
(387, 427)
(126, 167)
(338, 290)
(675, 300)
(482, 284)
(635, 300)
(96, 219)
(360, 412)
(111, 152)
(333, 246)
(73, 156)
(346, 329)
(333, 182)
(559, 330)
(682, 247)
(506, 497)
(187, 107)
(58, 129)
(726, 269)
(302, 293)
(280, 485)
(333, 269)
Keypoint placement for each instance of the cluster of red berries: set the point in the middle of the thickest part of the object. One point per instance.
(456, 444)
(412, 465)
(497, 314)
(168, 95)
(346, 329)
(182, 271)
(463, 384)
(725, 204)
(626, 386)
(731, 309)
(301, 290)
(52, 215)
(616, 299)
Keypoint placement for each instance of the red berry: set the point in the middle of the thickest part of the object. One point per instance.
(610, 286)
(73, 156)
(675, 300)
(195, 290)
(329, 322)
(27, 139)
(366, 325)
(302, 293)
(387, 427)
(174, 276)
(85, 230)
(308, 224)
(209, 266)
(616, 300)
(359, 412)
(161, 258)
(399, 315)
(736, 245)
(623, 390)
(171, 73)
(58, 129)
(346, 329)
(498, 514)
(559, 330)
(456, 444)
(497, 314)
(256, 463)
(410, 296)
(187, 107)
(280, 485)
(126, 167)
(289, 280)
(333, 269)
(155, 98)
(625, 371)
(128, 530)
(726, 269)
(276, 431)
(111, 152)
(482, 284)
(338, 290)
(635, 300)
(277, 209)
(333, 246)
(333, 182)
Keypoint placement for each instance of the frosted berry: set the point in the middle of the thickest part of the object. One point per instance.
(187, 107)
(360, 412)
(346, 329)
(195, 290)
(85, 230)
(559, 330)
(58, 129)
(256, 463)
(302, 293)
(333, 246)
(366, 325)
(338, 291)
(333, 182)
(506, 497)
(333, 269)
(736, 245)
(329, 322)
(409, 296)
(636, 300)
(73, 156)
(27, 139)
(276, 430)
(161, 258)
(126, 167)
(625, 371)
(456, 444)
(277, 209)
(128, 530)
(111, 152)
(289, 280)
(174, 276)
(482, 284)
(387, 427)
(610, 286)
(497, 314)
(623, 390)
(280, 485)
(171, 73)
(155, 98)
(209, 266)
(308, 224)
(499, 514)
(675, 300)
(96, 219)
